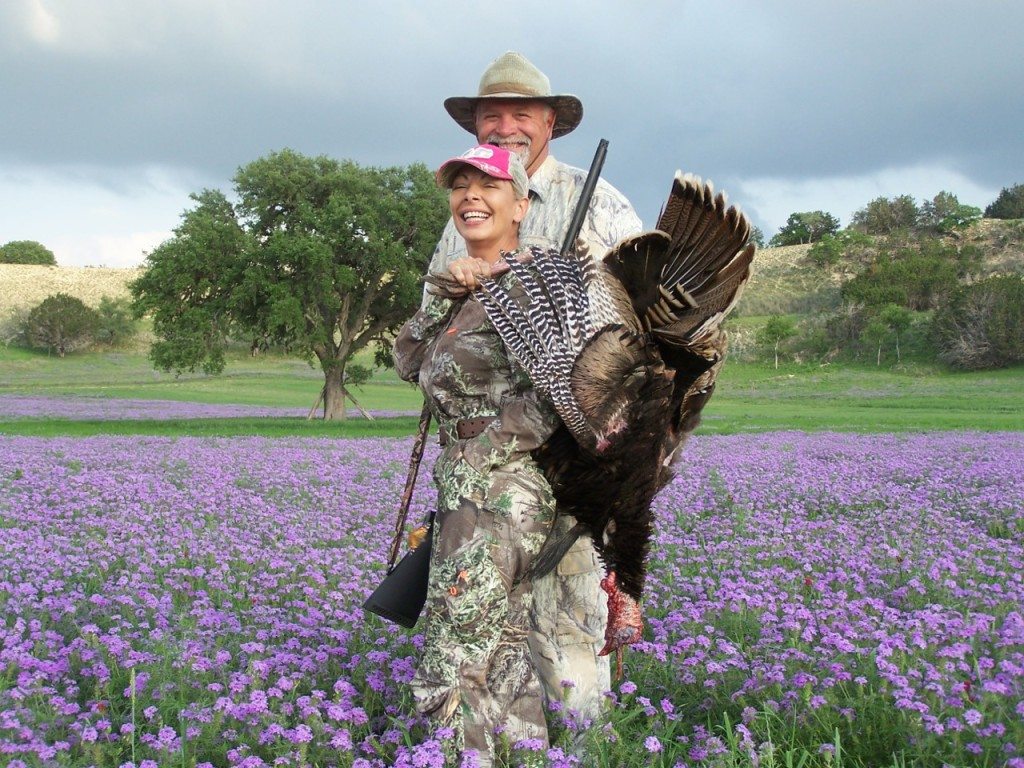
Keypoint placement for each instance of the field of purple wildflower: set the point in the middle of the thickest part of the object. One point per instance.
(79, 408)
(825, 599)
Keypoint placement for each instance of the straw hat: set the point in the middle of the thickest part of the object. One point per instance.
(512, 76)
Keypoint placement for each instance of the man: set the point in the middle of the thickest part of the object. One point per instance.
(515, 109)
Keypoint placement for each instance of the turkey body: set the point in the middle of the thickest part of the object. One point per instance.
(628, 349)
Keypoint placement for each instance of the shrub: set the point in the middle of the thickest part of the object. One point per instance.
(983, 325)
(1008, 205)
(918, 277)
(813, 342)
(60, 323)
(832, 248)
(26, 252)
(114, 323)
(12, 327)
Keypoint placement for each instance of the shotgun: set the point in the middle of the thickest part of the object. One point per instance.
(583, 204)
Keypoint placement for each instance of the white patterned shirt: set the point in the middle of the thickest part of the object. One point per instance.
(554, 189)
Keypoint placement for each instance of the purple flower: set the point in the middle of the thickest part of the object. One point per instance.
(224, 571)
(972, 716)
(530, 745)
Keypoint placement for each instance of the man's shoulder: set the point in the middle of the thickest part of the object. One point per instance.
(578, 176)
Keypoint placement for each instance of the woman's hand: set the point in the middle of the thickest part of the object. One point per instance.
(469, 272)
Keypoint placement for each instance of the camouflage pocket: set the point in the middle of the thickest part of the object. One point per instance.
(473, 596)
(457, 479)
(581, 558)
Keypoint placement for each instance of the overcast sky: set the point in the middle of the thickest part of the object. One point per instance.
(112, 112)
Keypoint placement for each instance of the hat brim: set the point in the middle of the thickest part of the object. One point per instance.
(568, 110)
(450, 168)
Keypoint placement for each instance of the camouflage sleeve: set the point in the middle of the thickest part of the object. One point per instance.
(524, 422)
(611, 219)
(443, 255)
(412, 341)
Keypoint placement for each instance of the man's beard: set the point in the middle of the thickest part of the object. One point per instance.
(520, 145)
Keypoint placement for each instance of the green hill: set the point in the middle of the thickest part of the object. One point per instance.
(784, 281)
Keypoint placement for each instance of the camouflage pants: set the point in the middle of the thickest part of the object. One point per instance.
(569, 617)
(476, 674)
(494, 652)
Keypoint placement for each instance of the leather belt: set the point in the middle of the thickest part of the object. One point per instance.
(463, 429)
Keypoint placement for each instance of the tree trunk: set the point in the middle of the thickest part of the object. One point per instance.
(334, 393)
(776, 356)
(898, 359)
(878, 359)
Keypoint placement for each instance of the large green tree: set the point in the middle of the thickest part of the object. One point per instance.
(320, 256)
(806, 227)
(883, 216)
(26, 252)
(946, 213)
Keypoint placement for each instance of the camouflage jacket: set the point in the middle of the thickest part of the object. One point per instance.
(453, 351)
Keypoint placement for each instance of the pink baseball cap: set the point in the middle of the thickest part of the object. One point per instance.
(492, 160)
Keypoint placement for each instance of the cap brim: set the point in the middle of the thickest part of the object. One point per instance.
(450, 168)
(568, 110)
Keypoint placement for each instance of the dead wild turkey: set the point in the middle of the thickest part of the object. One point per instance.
(628, 350)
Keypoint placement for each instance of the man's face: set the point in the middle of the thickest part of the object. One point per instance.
(522, 126)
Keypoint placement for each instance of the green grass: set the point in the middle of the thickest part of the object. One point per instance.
(268, 380)
(756, 397)
(750, 397)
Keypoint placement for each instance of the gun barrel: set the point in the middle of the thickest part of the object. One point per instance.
(576, 223)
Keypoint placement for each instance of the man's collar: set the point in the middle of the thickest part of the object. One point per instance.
(540, 181)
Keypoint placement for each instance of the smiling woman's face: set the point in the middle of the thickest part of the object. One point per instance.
(485, 210)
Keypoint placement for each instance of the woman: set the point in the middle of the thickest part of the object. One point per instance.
(494, 505)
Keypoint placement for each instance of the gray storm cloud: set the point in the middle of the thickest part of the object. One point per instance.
(788, 99)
